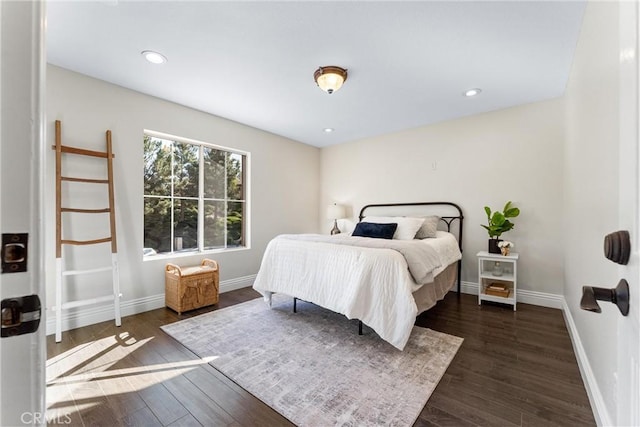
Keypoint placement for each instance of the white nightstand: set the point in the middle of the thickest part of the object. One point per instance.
(497, 271)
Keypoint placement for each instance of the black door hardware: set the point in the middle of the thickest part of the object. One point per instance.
(14, 252)
(618, 295)
(20, 315)
(617, 247)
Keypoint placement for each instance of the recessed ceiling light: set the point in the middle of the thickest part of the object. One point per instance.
(154, 57)
(328, 130)
(472, 92)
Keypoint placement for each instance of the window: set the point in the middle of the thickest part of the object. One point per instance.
(194, 196)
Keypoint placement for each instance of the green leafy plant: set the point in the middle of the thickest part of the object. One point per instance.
(499, 221)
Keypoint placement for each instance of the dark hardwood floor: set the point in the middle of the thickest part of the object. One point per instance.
(512, 369)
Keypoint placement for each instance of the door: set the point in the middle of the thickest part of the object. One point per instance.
(22, 355)
(628, 328)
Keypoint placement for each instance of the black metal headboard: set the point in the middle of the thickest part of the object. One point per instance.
(447, 220)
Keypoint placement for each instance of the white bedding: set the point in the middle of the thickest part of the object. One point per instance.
(370, 284)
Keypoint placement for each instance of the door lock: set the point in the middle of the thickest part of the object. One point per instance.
(617, 247)
(14, 252)
(20, 315)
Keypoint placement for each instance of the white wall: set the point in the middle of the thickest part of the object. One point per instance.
(513, 154)
(284, 180)
(591, 186)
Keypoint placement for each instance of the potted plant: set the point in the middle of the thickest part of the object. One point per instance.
(499, 223)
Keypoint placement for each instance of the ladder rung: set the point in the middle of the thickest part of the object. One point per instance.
(88, 271)
(94, 181)
(105, 210)
(85, 242)
(82, 151)
(89, 301)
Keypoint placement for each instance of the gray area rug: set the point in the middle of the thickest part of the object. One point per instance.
(313, 367)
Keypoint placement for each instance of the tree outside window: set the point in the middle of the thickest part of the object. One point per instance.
(194, 196)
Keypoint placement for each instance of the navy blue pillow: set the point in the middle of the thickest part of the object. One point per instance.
(378, 231)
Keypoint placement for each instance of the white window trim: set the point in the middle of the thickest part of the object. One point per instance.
(247, 200)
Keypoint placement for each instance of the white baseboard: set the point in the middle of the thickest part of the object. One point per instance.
(596, 400)
(525, 296)
(96, 314)
(238, 283)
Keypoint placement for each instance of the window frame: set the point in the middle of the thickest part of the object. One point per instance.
(201, 199)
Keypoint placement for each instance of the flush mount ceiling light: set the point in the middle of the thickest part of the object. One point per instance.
(328, 130)
(330, 78)
(154, 57)
(472, 92)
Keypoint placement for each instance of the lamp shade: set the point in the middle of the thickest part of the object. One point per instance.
(335, 211)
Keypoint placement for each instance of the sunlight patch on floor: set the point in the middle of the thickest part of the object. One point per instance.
(97, 355)
(168, 370)
(102, 368)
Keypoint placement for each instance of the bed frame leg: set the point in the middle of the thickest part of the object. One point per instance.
(459, 276)
(359, 327)
(295, 308)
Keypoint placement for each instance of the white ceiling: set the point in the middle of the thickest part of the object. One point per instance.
(253, 62)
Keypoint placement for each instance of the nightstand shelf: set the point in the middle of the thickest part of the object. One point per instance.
(497, 274)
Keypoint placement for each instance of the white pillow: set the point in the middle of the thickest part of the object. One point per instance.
(428, 228)
(407, 226)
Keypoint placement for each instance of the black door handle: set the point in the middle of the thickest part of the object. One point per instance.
(618, 295)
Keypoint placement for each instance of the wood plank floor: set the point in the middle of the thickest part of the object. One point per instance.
(512, 369)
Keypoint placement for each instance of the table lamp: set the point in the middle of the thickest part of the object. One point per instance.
(335, 212)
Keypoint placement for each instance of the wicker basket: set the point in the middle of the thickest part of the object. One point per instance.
(188, 288)
(497, 289)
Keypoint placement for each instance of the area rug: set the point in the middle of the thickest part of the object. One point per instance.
(313, 367)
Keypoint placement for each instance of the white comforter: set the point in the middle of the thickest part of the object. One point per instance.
(370, 284)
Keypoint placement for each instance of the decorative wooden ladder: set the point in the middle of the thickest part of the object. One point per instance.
(60, 272)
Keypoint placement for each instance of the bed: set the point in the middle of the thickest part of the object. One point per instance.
(383, 283)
